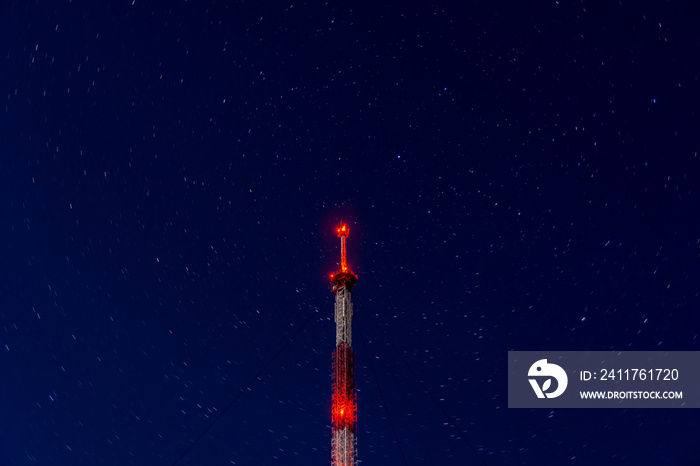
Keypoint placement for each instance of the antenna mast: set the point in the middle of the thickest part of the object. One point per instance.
(344, 411)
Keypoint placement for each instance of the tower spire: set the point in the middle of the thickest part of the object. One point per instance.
(343, 232)
(344, 410)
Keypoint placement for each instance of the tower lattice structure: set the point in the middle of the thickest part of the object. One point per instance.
(344, 410)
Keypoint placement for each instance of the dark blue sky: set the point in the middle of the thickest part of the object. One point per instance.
(515, 178)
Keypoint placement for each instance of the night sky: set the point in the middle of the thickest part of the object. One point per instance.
(171, 173)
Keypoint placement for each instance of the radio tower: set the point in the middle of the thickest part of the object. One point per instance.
(344, 411)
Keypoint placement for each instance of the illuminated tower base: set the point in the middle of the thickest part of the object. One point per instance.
(344, 411)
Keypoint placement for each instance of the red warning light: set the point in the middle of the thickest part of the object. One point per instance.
(343, 230)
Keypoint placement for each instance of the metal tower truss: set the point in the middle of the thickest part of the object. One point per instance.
(344, 410)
